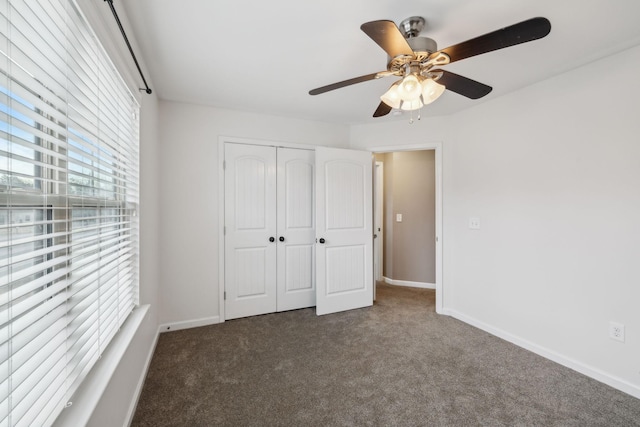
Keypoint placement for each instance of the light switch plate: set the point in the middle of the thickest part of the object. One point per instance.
(398, 217)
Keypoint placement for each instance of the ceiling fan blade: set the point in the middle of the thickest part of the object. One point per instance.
(382, 110)
(525, 31)
(344, 83)
(388, 37)
(463, 85)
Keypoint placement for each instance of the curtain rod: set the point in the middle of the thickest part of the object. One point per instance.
(133, 55)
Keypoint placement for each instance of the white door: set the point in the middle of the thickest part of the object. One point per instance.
(250, 236)
(296, 229)
(344, 252)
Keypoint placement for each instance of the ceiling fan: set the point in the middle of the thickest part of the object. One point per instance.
(416, 60)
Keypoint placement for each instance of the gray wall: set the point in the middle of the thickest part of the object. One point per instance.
(409, 189)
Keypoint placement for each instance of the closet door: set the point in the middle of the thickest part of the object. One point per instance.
(296, 229)
(250, 236)
(344, 211)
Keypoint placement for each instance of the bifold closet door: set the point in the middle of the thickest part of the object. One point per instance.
(250, 230)
(296, 229)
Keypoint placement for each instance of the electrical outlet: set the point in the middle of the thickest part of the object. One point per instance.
(616, 331)
(474, 223)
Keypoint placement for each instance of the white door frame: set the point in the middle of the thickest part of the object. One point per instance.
(221, 231)
(378, 242)
(437, 147)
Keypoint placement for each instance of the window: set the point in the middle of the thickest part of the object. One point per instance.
(68, 203)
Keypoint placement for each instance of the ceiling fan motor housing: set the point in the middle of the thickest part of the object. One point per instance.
(422, 47)
(423, 44)
(410, 29)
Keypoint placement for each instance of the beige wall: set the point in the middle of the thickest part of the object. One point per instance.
(409, 189)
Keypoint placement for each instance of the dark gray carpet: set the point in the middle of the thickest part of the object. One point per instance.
(394, 364)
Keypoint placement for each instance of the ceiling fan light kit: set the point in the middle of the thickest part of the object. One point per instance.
(412, 92)
(413, 59)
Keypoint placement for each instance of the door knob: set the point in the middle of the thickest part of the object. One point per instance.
(322, 240)
(281, 238)
(272, 239)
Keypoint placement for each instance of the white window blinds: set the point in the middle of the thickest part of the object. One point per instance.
(68, 202)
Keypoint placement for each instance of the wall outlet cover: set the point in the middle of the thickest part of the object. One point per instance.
(616, 331)
(474, 223)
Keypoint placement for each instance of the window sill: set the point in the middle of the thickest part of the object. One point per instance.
(86, 398)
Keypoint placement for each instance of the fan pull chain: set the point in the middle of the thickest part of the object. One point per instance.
(419, 115)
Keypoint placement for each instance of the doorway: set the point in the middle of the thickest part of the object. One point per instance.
(408, 242)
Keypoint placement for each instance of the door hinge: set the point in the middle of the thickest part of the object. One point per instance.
(224, 230)
(225, 295)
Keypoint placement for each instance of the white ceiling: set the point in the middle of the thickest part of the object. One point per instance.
(264, 56)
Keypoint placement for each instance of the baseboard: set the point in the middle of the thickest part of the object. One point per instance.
(134, 403)
(187, 324)
(584, 369)
(422, 285)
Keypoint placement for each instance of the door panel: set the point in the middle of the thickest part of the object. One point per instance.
(344, 198)
(344, 260)
(250, 221)
(296, 229)
(344, 272)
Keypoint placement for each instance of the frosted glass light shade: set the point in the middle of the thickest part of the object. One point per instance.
(392, 97)
(431, 90)
(409, 88)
